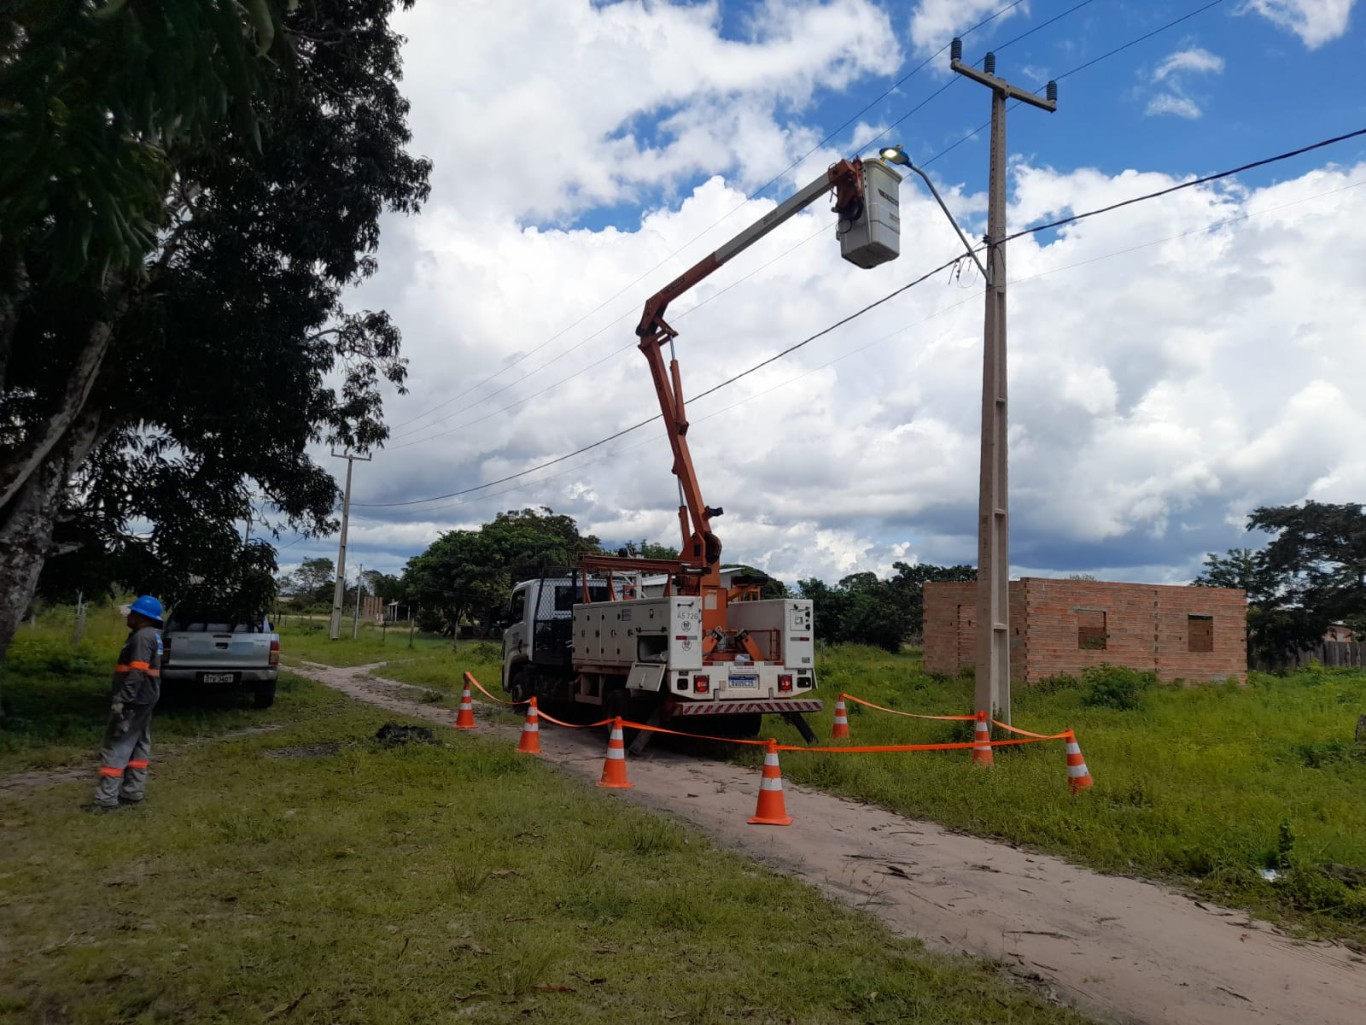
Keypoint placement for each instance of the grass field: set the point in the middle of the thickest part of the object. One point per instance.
(1206, 787)
(311, 874)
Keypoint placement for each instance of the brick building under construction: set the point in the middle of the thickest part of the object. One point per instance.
(1196, 634)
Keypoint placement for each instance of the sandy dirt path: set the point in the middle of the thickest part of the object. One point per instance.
(1117, 948)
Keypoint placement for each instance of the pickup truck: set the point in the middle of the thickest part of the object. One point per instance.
(211, 647)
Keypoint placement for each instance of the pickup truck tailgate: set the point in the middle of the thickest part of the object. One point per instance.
(218, 650)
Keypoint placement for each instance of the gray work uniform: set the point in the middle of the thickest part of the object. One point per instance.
(127, 745)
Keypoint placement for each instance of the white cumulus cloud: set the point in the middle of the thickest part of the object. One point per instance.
(1315, 21)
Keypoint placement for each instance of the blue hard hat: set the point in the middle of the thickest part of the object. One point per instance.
(147, 606)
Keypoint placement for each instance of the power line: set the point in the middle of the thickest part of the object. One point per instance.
(1187, 185)
(1080, 67)
(756, 193)
(759, 191)
(871, 306)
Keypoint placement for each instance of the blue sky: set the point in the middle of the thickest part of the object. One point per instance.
(1172, 365)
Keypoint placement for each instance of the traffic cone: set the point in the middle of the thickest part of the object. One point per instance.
(530, 744)
(1078, 775)
(614, 768)
(841, 729)
(464, 719)
(981, 752)
(771, 811)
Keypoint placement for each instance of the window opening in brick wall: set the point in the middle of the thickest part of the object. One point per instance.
(1090, 629)
(1199, 633)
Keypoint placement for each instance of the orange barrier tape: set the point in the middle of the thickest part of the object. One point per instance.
(577, 725)
(1040, 736)
(873, 749)
(470, 677)
(910, 715)
(891, 748)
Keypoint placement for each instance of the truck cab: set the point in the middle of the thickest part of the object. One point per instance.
(539, 636)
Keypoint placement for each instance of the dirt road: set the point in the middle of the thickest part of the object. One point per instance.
(1120, 949)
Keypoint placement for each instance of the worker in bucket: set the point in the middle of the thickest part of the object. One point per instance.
(127, 742)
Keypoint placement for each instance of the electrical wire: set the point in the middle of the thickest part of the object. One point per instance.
(400, 435)
(871, 306)
(753, 195)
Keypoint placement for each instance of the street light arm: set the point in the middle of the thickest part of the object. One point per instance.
(939, 199)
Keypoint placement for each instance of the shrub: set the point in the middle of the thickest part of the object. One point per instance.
(1115, 687)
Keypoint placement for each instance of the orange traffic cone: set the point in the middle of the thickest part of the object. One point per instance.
(614, 768)
(530, 744)
(771, 810)
(1078, 775)
(464, 719)
(841, 729)
(981, 752)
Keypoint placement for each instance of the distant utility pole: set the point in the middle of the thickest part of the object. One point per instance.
(360, 586)
(339, 589)
(992, 664)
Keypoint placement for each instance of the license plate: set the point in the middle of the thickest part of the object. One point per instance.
(220, 677)
(744, 681)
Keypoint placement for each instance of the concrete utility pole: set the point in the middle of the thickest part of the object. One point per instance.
(339, 588)
(360, 586)
(993, 505)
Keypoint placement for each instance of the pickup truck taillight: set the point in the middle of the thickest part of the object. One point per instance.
(166, 651)
(275, 652)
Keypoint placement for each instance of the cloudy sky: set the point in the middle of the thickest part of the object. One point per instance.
(1172, 364)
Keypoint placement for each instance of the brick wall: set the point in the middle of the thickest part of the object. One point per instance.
(1063, 626)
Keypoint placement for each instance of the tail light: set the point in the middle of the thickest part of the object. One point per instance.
(275, 652)
(701, 684)
(165, 651)
(785, 683)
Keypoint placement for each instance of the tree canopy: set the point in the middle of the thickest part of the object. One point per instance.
(186, 192)
(467, 575)
(1311, 575)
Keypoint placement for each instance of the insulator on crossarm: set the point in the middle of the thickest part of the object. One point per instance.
(1052, 92)
(989, 64)
(956, 49)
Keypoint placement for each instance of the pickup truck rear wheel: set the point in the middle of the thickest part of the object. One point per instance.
(263, 696)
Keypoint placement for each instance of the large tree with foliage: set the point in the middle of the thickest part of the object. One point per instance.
(466, 575)
(1311, 575)
(863, 609)
(186, 192)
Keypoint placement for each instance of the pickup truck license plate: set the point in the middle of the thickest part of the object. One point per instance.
(744, 681)
(219, 678)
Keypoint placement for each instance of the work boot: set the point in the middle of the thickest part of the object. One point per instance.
(98, 808)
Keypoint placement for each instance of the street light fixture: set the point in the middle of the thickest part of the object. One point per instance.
(897, 155)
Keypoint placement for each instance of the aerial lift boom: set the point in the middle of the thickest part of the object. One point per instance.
(700, 555)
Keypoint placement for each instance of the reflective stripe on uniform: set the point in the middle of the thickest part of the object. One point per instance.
(106, 770)
(137, 763)
(139, 665)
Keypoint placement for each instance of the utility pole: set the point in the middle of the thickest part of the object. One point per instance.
(360, 586)
(992, 664)
(339, 589)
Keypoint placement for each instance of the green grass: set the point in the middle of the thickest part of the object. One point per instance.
(1202, 785)
(310, 874)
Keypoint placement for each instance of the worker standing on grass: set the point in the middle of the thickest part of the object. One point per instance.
(137, 686)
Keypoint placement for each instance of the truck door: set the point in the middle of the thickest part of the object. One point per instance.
(515, 634)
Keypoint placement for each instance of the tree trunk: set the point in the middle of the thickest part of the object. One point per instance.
(28, 522)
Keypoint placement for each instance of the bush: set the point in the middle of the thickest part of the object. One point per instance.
(1115, 687)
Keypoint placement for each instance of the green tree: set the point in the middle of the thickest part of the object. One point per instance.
(1311, 575)
(200, 185)
(467, 575)
(909, 584)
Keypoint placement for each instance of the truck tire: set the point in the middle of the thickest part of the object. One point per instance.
(263, 696)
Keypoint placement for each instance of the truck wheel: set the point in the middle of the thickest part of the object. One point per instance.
(263, 696)
(519, 685)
